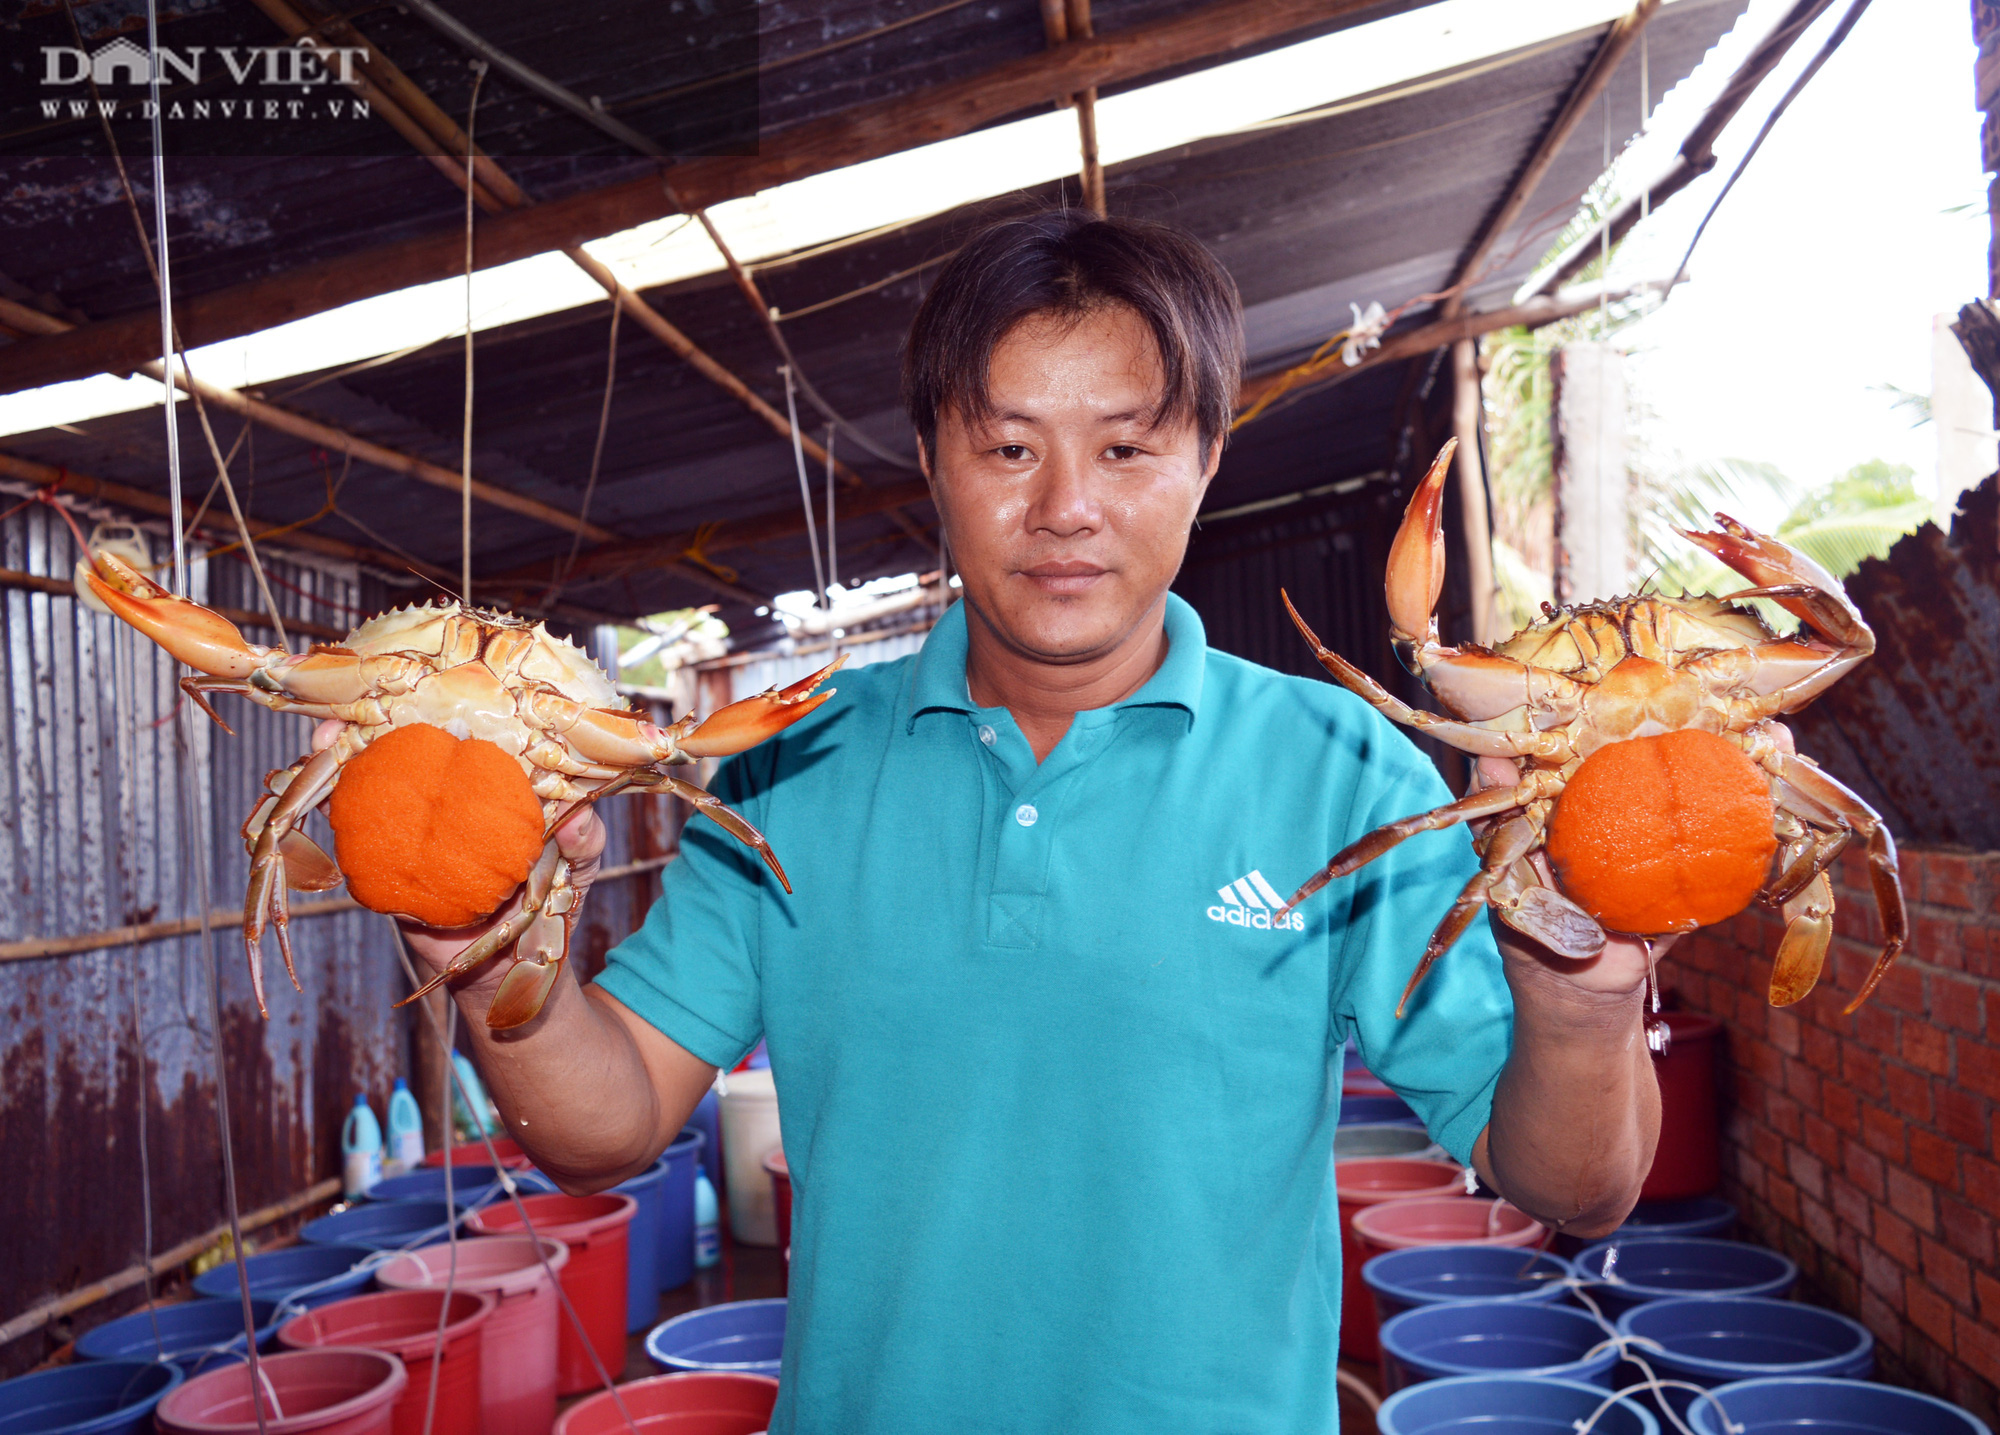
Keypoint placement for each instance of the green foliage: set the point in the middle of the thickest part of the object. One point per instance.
(1858, 516)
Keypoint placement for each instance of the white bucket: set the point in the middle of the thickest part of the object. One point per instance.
(749, 1134)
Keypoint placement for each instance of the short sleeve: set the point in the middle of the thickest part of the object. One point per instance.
(1445, 1054)
(691, 969)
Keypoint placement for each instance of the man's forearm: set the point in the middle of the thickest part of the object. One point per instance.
(1577, 1112)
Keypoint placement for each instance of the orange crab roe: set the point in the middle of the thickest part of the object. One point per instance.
(434, 827)
(1663, 834)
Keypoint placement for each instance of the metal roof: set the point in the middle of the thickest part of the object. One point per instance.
(1376, 202)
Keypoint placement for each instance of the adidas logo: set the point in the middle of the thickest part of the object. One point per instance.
(1249, 902)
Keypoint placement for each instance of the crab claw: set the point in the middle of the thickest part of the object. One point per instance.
(1416, 561)
(1804, 589)
(207, 642)
(742, 725)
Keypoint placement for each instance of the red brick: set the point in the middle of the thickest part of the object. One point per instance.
(1986, 1291)
(1963, 1116)
(1955, 1003)
(1897, 1239)
(1947, 1272)
(1909, 1092)
(1802, 1081)
(1841, 1107)
(1862, 1068)
(1785, 1116)
(1903, 988)
(1807, 1170)
(1820, 1137)
(1978, 1067)
(1950, 879)
(1883, 1133)
(1982, 1184)
(1926, 1047)
(1884, 1317)
(1937, 940)
(1978, 1345)
(1929, 1312)
(1783, 1197)
(1768, 1146)
(1819, 1223)
(1934, 1158)
(1965, 1230)
(1782, 1027)
(1851, 1203)
(1912, 1199)
(1874, 1026)
(1881, 1274)
(1864, 1168)
(1980, 949)
(1822, 1051)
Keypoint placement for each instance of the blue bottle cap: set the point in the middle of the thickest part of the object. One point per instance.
(402, 1085)
(360, 1098)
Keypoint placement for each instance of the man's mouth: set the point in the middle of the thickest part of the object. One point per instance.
(1063, 577)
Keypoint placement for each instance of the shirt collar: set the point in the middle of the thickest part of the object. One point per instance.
(939, 681)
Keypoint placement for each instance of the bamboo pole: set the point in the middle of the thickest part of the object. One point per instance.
(241, 617)
(1468, 422)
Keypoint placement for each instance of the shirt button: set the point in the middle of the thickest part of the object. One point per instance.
(1026, 815)
(987, 735)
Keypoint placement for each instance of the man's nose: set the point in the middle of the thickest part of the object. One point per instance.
(1065, 502)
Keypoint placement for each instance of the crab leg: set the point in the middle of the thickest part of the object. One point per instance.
(1808, 930)
(725, 817)
(621, 739)
(1820, 797)
(1485, 742)
(266, 894)
(205, 641)
(546, 878)
(1512, 842)
(1487, 802)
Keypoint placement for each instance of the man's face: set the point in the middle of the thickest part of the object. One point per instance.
(1068, 511)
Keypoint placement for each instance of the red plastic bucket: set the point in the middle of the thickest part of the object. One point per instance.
(595, 1228)
(1688, 1160)
(678, 1405)
(781, 1191)
(1443, 1221)
(517, 1342)
(1369, 1182)
(474, 1153)
(405, 1324)
(324, 1392)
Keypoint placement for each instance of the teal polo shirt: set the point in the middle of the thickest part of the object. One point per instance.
(1057, 1100)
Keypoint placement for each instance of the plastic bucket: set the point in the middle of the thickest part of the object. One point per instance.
(1368, 1182)
(780, 1172)
(517, 1343)
(405, 1324)
(97, 1397)
(749, 1134)
(474, 1153)
(595, 1230)
(1715, 1340)
(1376, 1110)
(1700, 1216)
(303, 1275)
(324, 1392)
(642, 1244)
(469, 1181)
(676, 1260)
(705, 1404)
(1662, 1268)
(1488, 1337)
(196, 1335)
(707, 1119)
(1443, 1221)
(1830, 1407)
(1362, 1141)
(745, 1337)
(381, 1225)
(1688, 1160)
(1360, 1081)
(1506, 1405)
(1436, 1275)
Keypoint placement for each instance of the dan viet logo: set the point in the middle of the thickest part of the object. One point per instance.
(1249, 902)
(300, 68)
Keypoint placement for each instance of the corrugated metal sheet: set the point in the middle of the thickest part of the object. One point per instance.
(92, 780)
(779, 668)
(1916, 729)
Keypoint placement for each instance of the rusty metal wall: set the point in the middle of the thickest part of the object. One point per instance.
(91, 777)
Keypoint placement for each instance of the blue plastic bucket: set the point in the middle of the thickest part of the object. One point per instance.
(1435, 1275)
(1374, 1141)
(1664, 1268)
(468, 1184)
(1377, 1111)
(707, 1119)
(323, 1273)
(1495, 1337)
(1507, 1405)
(675, 1265)
(1716, 1340)
(1831, 1407)
(642, 1247)
(95, 1397)
(196, 1335)
(1699, 1216)
(382, 1226)
(746, 1336)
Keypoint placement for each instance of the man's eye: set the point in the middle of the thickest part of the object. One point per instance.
(1122, 451)
(1012, 452)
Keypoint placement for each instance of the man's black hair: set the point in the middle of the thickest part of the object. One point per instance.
(1066, 264)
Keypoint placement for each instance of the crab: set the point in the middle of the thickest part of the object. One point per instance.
(1587, 695)
(481, 676)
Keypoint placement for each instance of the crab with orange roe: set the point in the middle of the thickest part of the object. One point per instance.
(1651, 777)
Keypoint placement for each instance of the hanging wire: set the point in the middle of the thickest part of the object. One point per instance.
(465, 449)
(832, 553)
(451, 1216)
(805, 489)
(561, 579)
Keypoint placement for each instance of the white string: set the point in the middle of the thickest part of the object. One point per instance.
(805, 489)
(832, 553)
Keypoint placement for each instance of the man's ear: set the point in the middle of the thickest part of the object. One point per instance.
(1214, 461)
(924, 459)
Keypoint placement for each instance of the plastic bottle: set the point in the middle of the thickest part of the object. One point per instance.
(406, 1128)
(478, 1119)
(707, 1235)
(360, 1149)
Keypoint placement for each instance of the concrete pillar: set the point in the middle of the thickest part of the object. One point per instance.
(1962, 416)
(1588, 412)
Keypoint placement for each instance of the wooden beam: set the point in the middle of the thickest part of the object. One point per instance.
(1468, 423)
(863, 132)
(241, 617)
(1589, 86)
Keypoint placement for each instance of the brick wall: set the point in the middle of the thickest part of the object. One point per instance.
(1862, 1146)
